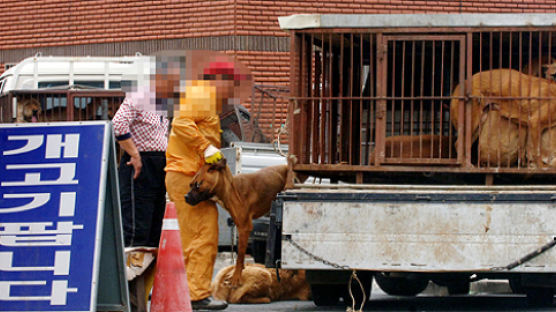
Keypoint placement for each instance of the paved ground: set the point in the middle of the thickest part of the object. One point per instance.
(486, 295)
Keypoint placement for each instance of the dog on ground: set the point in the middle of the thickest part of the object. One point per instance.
(260, 285)
(28, 110)
(544, 67)
(245, 196)
(523, 99)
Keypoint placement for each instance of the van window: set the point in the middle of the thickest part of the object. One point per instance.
(89, 83)
(114, 84)
(52, 84)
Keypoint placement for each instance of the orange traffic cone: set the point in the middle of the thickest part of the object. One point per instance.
(170, 290)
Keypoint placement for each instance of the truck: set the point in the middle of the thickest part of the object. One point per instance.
(421, 188)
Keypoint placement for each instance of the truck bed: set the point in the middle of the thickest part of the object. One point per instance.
(418, 228)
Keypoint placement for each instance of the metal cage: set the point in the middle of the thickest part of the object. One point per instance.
(368, 101)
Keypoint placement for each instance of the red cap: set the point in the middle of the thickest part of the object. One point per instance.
(215, 68)
(225, 68)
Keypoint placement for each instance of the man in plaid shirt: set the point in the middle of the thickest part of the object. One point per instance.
(143, 135)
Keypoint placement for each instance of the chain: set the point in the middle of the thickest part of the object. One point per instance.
(315, 257)
(336, 266)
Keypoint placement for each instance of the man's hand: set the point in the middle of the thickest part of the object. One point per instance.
(212, 155)
(135, 161)
(129, 147)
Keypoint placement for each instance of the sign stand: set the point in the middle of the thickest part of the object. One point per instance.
(113, 294)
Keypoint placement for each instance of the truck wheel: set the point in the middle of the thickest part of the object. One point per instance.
(400, 285)
(258, 249)
(515, 285)
(459, 287)
(366, 279)
(325, 295)
(539, 296)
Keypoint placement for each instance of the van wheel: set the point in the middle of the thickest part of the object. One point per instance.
(401, 285)
(326, 295)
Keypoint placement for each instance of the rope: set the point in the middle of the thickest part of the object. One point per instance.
(281, 130)
(354, 276)
(337, 266)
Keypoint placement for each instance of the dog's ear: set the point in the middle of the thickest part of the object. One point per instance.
(221, 164)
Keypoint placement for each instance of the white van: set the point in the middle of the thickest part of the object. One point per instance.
(86, 72)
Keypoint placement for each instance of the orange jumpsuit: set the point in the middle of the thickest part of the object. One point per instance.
(194, 128)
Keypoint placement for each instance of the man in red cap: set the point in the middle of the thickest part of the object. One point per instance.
(194, 141)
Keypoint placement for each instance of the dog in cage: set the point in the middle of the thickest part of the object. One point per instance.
(501, 142)
(544, 67)
(28, 110)
(524, 100)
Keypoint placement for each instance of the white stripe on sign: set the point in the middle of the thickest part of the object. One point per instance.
(170, 224)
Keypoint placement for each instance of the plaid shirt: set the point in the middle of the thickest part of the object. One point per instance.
(148, 130)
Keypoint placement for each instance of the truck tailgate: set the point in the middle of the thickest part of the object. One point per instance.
(419, 228)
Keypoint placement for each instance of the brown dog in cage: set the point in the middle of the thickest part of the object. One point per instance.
(28, 110)
(260, 285)
(544, 67)
(501, 142)
(424, 146)
(522, 99)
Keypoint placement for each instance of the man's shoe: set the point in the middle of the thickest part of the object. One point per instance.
(209, 303)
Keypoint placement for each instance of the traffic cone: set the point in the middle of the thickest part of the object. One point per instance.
(170, 290)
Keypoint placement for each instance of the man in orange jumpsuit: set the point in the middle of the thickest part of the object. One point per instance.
(195, 140)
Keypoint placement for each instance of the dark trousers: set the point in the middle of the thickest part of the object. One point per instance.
(143, 200)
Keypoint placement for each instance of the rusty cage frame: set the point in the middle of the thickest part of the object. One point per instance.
(87, 104)
(372, 100)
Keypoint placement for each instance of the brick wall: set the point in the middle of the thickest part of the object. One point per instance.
(260, 17)
(107, 27)
(43, 23)
(70, 22)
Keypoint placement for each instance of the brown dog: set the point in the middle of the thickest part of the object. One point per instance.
(548, 147)
(244, 196)
(509, 88)
(28, 110)
(501, 141)
(260, 285)
(418, 146)
(544, 67)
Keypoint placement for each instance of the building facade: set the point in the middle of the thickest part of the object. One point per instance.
(245, 28)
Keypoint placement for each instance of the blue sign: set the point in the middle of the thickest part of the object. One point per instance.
(52, 185)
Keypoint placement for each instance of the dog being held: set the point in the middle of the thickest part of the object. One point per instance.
(28, 110)
(260, 285)
(245, 196)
